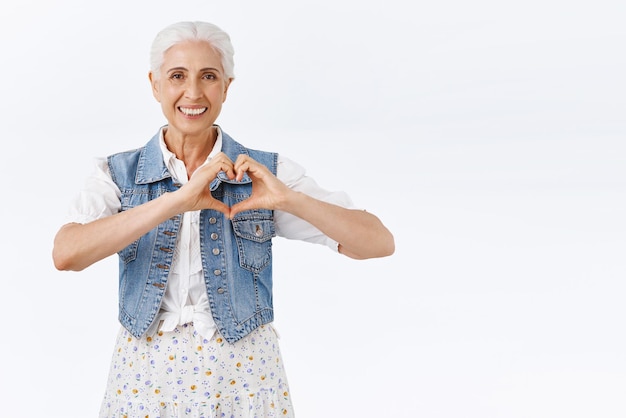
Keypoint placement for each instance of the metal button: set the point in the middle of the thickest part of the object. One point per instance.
(212, 220)
(220, 290)
(214, 236)
(216, 251)
(217, 272)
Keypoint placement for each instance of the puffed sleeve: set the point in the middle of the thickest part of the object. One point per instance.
(292, 227)
(99, 197)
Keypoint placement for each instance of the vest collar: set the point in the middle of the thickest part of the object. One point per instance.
(151, 167)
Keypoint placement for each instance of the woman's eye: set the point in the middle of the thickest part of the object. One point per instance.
(176, 76)
(209, 76)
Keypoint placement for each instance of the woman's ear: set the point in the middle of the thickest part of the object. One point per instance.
(154, 82)
(226, 86)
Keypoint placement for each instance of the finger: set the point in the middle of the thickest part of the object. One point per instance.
(241, 166)
(221, 207)
(224, 163)
(210, 171)
(227, 166)
(242, 206)
(229, 171)
(246, 164)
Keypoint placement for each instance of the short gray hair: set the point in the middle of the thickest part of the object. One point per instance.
(192, 31)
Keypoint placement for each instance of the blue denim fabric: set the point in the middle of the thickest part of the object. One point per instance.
(236, 255)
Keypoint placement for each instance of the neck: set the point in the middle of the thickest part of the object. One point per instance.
(192, 150)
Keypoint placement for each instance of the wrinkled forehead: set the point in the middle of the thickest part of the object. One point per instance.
(191, 55)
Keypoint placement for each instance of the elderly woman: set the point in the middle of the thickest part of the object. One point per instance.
(191, 216)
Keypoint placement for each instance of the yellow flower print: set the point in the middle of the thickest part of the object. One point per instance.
(193, 387)
(251, 358)
(119, 392)
(284, 412)
(285, 394)
(172, 357)
(149, 339)
(135, 391)
(232, 382)
(219, 341)
(208, 373)
(238, 364)
(157, 391)
(199, 348)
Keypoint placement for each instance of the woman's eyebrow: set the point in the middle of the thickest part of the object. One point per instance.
(176, 69)
(185, 69)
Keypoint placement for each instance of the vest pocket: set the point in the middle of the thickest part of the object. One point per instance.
(254, 241)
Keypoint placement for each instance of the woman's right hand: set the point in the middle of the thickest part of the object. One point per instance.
(196, 194)
(77, 246)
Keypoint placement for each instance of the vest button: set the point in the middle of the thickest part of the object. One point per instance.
(214, 236)
(212, 220)
(216, 251)
(220, 290)
(217, 272)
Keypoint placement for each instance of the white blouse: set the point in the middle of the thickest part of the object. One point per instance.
(185, 298)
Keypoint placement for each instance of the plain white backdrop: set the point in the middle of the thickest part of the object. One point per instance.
(489, 136)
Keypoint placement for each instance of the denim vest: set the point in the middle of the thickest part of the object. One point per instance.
(236, 255)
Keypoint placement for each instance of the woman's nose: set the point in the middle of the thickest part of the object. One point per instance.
(192, 89)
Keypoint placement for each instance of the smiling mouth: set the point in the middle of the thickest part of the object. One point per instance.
(192, 112)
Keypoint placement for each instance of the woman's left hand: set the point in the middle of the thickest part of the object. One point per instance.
(359, 234)
(268, 192)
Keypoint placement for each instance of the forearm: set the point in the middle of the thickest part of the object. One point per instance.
(360, 234)
(77, 246)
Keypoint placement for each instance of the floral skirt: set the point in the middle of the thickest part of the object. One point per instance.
(180, 374)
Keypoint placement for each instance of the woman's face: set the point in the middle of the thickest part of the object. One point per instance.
(191, 87)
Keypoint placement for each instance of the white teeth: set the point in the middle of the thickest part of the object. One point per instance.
(192, 112)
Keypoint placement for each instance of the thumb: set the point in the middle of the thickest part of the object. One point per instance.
(223, 208)
(240, 207)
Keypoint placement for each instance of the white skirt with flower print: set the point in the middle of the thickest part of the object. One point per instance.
(180, 374)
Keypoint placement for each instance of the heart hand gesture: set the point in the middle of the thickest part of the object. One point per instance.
(268, 192)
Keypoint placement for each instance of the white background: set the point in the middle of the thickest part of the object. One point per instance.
(489, 136)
